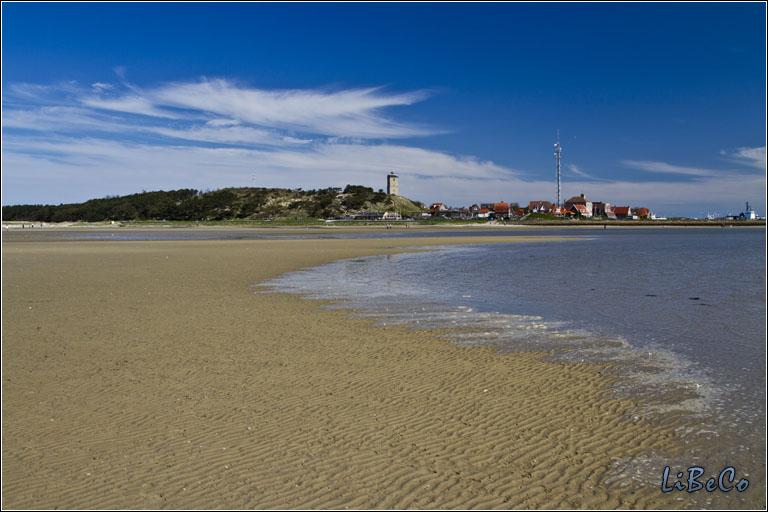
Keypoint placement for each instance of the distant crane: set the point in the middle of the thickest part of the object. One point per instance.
(558, 149)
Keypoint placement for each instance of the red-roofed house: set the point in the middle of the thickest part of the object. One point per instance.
(483, 213)
(580, 200)
(580, 209)
(539, 206)
(623, 212)
(558, 211)
(501, 209)
(643, 213)
(437, 209)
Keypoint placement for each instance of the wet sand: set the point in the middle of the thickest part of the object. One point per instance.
(150, 375)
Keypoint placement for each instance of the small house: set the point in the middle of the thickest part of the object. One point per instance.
(539, 206)
(501, 210)
(623, 212)
(580, 209)
(558, 211)
(642, 213)
(391, 216)
(369, 215)
(600, 209)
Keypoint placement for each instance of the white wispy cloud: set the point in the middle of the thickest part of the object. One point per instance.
(346, 113)
(66, 165)
(578, 172)
(101, 86)
(129, 105)
(319, 160)
(213, 111)
(753, 157)
(66, 120)
(228, 135)
(222, 122)
(666, 168)
(26, 95)
(54, 118)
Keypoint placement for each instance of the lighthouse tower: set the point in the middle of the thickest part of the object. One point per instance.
(392, 184)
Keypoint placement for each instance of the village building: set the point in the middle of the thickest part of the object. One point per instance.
(642, 213)
(748, 214)
(539, 206)
(501, 210)
(623, 212)
(580, 199)
(439, 207)
(368, 216)
(483, 213)
(558, 211)
(438, 210)
(580, 209)
(459, 213)
(600, 209)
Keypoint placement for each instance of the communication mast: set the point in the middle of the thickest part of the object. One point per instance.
(558, 149)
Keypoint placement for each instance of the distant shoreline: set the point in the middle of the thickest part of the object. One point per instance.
(294, 226)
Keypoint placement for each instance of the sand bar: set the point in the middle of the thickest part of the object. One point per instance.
(150, 375)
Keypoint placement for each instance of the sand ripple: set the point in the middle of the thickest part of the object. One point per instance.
(153, 377)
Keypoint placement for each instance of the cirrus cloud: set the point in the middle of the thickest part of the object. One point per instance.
(754, 157)
(345, 113)
(666, 168)
(207, 109)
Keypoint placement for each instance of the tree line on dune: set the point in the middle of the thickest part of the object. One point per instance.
(223, 204)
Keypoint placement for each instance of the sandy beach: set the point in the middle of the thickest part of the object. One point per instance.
(151, 375)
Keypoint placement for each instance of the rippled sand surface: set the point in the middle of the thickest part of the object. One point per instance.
(150, 375)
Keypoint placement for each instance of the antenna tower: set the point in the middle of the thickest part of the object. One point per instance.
(558, 149)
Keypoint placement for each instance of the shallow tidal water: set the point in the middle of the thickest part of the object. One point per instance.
(680, 314)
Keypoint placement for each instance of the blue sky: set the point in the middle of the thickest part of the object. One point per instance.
(658, 104)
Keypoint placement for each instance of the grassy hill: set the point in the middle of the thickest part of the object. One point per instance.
(227, 203)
